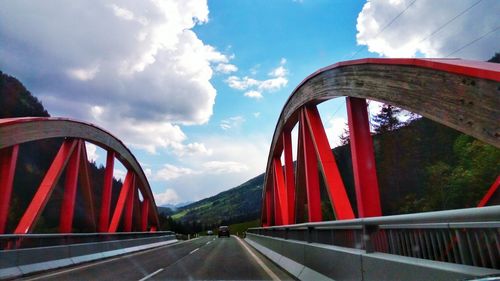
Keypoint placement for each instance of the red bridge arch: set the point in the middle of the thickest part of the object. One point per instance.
(464, 95)
(72, 158)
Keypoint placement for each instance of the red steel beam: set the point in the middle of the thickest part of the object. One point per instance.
(281, 191)
(334, 184)
(106, 192)
(122, 198)
(144, 215)
(300, 182)
(490, 193)
(35, 208)
(129, 208)
(278, 216)
(363, 159)
(88, 198)
(289, 175)
(8, 159)
(70, 185)
(311, 173)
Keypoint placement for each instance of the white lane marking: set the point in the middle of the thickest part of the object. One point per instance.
(194, 251)
(151, 275)
(259, 261)
(209, 242)
(107, 260)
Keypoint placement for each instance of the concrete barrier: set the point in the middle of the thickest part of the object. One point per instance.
(16, 263)
(314, 261)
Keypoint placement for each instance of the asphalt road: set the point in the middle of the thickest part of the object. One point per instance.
(205, 258)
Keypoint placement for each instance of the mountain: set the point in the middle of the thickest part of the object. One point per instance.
(238, 204)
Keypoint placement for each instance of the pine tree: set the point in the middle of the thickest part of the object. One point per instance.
(387, 119)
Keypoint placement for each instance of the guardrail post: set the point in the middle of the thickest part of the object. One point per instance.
(368, 230)
(310, 230)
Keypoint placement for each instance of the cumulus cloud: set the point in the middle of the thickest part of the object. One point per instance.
(169, 196)
(134, 68)
(253, 94)
(224, 167)
(412, 33)
(226, 68)
(91, 149)
(334, 128)
(169, 172)
(255, 88)
(234, 122)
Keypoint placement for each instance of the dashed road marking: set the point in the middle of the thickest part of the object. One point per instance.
(194, 251)
(151, 275)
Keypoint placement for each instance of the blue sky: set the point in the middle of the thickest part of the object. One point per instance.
(194, 88)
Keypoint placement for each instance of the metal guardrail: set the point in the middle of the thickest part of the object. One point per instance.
(464, 236)
(24, 241)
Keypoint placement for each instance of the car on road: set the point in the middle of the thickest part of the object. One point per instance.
(210, 232)
(223, 231)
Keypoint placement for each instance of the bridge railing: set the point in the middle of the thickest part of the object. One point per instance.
(464, 236)
(25, 241)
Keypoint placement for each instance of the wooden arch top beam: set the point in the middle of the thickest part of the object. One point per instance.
(21, 130)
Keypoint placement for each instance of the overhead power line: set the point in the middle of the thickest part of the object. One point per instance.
(474, 41)
(449, 21)
(386, 26)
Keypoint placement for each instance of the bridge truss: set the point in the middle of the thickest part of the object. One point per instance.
(130, 213)
(461, 94)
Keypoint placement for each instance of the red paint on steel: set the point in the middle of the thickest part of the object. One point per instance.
(35, 208)
(363, 159)
(129, 208)
(144, 215)
(106, 192)
(489, 194)
(334, 184)
(8, 159)
(300, 179)
(122, 198)
(280, 187)
(88, 199)
(278, 218)
(311, 173)
(70, 185)
(289, 175)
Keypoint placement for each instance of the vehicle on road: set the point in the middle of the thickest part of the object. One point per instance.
(223, 231)
(210, 232)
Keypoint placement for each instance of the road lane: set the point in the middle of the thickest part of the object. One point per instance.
(205, 258)
(224, 259)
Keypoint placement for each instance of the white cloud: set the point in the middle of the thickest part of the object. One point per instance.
(169, 172)
(119, 174)
(169, 196)
(226, 68)
(255, 88)
(224, 167)
(334, 128)
(406, 37)
(253, 94)
(256, 114)
(133, 68)
(83, 74)
(91, 149)
(234, 122)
